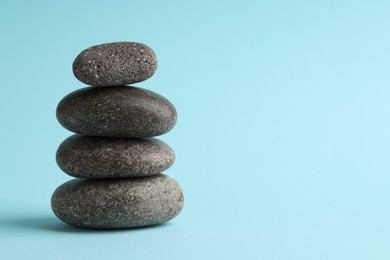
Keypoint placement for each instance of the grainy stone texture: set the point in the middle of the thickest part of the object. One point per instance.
(102, 157)
(113, 64)
(121, 111)
(118, 203)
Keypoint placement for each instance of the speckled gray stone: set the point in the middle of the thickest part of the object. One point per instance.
(103, 157)
(121, 111)
(118, 203)
(113, 64)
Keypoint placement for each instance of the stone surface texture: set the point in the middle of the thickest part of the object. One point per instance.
(118, 203)
(121, 111)
(113, 64)
(102, 157)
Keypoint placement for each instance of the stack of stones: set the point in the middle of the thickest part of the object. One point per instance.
(116, 162)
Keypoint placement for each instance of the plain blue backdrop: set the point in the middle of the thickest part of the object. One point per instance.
(282, 141)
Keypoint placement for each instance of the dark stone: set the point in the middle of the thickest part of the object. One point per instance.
(113, 64)
(121, 111)
(118, 203)
(104, 157)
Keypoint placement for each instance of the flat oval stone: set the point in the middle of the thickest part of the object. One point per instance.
(118, 203)
(116, 112)
(113, 64)
(104, 157)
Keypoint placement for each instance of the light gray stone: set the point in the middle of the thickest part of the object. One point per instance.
(121, 111)
(113, 64)
(103, 157)
(118, 203)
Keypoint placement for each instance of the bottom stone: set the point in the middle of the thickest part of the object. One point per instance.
(118, 203)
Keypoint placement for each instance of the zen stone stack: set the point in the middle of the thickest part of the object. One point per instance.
(117, 163)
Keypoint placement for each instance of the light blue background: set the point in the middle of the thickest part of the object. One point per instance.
(282, 142)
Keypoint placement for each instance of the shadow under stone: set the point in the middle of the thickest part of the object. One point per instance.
(52, 224)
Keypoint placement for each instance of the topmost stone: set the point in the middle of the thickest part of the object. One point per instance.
(114, 64)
